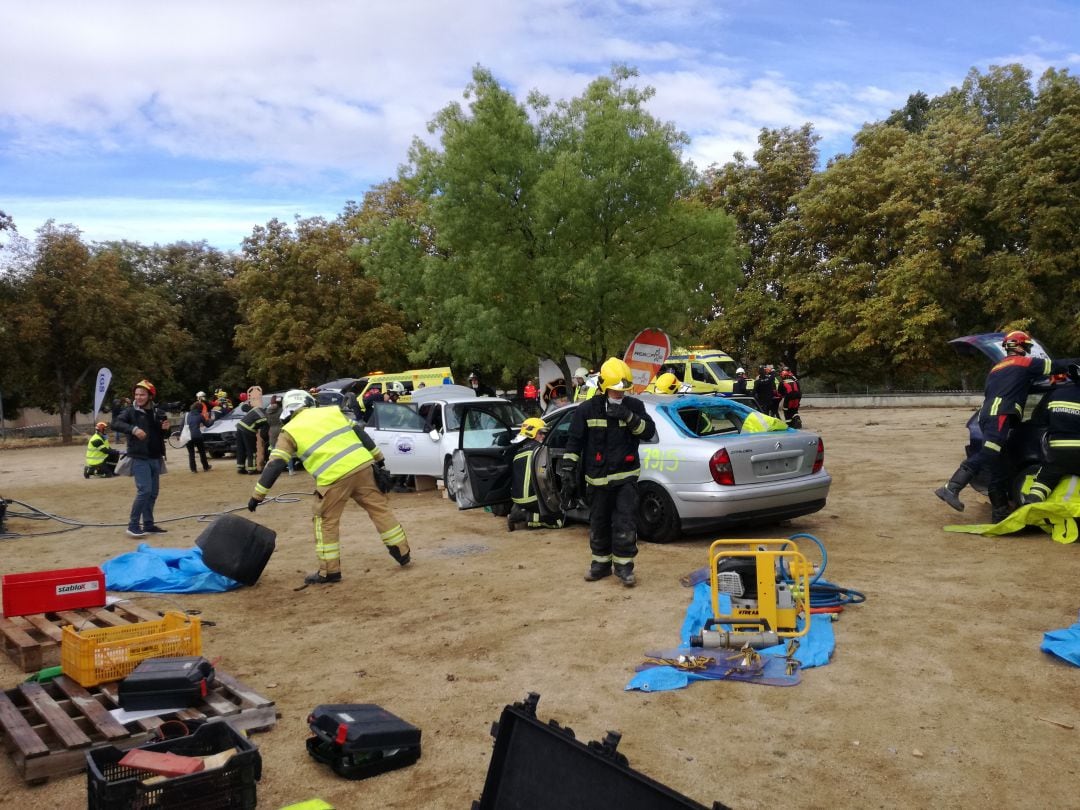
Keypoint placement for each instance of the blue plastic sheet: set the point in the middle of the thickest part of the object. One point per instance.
(815, 648)
(1065, 644)
(164, 570)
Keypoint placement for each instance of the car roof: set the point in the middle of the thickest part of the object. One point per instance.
(338, 385)
(988, 344)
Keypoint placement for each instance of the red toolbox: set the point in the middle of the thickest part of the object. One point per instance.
(50, 591)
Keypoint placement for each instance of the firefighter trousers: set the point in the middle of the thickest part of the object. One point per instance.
(613, 523)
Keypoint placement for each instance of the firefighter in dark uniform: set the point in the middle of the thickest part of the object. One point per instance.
(1062, 443)
(604, 435)
(1007, 387)
(253, 425)
(528, 511)
(764, 390)
(790, 397)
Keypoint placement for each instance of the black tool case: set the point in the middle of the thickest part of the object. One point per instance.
(540, 766)
(166, 683)
(359, 740)
(236, 547)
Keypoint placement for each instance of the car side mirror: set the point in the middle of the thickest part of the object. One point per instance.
(434, 435)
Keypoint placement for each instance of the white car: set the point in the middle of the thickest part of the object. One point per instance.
(419, 438)
(701, 471)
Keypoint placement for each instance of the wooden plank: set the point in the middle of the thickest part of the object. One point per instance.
(44, 625)
(18, 731)
(109, 618)
(21, 647)
(63, 726)
(97, 714)
(248, 697)
(68, 761)
(136, 612)
(78, 619)
(111, 691)
(220, 704)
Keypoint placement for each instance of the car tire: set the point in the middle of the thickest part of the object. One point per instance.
(448, 480)
(657, 517)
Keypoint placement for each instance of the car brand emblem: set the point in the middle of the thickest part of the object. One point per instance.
(779, 446)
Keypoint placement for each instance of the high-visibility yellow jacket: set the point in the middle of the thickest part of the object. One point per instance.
(97, 450)
(326, 444)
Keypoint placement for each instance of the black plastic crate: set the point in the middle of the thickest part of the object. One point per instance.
(111, 786)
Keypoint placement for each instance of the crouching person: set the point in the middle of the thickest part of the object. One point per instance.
(101, 459)
(341, 457)
(528, 511)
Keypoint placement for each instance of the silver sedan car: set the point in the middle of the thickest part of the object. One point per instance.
(703, 470)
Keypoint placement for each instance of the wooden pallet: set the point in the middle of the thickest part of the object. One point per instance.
(48, 728)
(33, 641)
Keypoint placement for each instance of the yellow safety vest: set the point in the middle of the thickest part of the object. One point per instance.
(762, 423)
(96, 454)
(326, 444)
(585, 392)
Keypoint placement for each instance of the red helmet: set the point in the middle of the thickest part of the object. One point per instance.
(786, 373)
(243, 397)
(1017, 340)
(149, 386)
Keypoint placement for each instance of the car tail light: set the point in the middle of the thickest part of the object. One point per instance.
(720, 467)
(819, 459)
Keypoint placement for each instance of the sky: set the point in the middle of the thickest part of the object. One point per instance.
(196, 120)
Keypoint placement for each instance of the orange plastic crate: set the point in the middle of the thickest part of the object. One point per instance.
(98, 655)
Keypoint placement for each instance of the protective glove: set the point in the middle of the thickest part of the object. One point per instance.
(253, 503)
(568, 483)
(383, 479)
(620, 412)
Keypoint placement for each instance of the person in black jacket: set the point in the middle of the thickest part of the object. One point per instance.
(764, 390)
(197, 418)
(529, 511)
(738, 386)
(146, 427)
(605, 431)
(1007, 387)
(1062, 444)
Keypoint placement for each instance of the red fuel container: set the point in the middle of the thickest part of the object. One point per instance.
(49, 591)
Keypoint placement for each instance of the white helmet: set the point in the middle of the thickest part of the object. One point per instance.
(740, 370)
(293, 401)
(396, 387)
(582, 372)
(200, 395)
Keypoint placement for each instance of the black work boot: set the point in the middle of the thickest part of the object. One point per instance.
(1000, 508)
(950, 493)
(598, 570)
(318, 578)
(625, 573)
(403, 557)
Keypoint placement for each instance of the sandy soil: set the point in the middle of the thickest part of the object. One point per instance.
(937, 695)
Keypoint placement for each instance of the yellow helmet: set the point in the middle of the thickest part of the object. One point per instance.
(667, 383)
(531, 427)
(615, 375)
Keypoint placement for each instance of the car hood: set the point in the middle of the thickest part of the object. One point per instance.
(989, 345)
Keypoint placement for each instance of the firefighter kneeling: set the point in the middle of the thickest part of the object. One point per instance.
(101, 459)
(343, 460)
(528, 511)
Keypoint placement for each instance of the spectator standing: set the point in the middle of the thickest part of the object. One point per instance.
(604, 435)
(146, 426)
(478, 387)
(531, 395)
(197, 418)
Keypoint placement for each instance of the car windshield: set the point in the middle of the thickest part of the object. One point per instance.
(723, 369)
(496, 413)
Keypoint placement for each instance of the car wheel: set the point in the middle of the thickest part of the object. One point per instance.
(448, 480)
(657, 518)
(174, 440)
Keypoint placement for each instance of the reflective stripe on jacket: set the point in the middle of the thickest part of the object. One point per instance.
(327, 444)
(607, 448)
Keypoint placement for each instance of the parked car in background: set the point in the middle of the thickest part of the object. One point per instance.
(220, 437)
(1023, 452)
(701, 471)
(419, 437)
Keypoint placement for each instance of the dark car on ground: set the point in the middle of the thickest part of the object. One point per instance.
(1024, 451)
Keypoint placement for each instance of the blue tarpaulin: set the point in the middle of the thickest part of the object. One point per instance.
(1065, 644)
(164, 570)
(815, 648)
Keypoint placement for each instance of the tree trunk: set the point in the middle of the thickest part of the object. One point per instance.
(65, 415)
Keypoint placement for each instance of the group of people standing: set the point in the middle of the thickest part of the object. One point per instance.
(773, 392)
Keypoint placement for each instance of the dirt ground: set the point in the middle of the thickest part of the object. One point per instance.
(937, 694)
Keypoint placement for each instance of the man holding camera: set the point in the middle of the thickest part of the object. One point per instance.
(605, 432)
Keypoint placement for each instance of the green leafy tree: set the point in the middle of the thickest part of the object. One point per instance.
(551, 229)
(762, 320)
(76, 313)
(308, 312)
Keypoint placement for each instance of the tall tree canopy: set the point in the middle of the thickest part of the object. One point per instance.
(71, 310)
(308, 312)
(550, 229)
